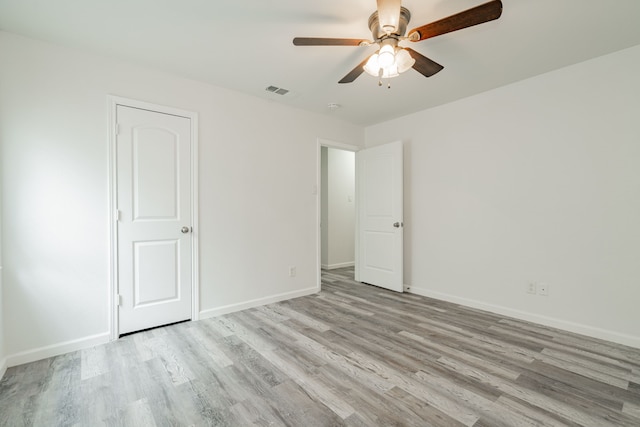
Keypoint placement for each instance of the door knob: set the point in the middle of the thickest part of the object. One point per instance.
(185, 230)
(397, 224)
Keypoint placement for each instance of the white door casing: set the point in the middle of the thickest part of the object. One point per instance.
(154, 225)
(379, 192)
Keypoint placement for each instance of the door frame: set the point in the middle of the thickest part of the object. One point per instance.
(113, 103)
(318, 190)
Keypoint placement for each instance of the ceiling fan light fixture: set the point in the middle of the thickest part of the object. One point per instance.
(372, 67)
(377, 67)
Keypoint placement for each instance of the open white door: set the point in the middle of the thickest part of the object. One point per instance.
(154, 225)
(379, 183)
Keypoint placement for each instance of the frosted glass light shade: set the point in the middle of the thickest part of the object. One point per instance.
(386, 56)
(372, 66)
(404, 61)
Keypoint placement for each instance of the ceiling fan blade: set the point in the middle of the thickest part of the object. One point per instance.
(424, 65)
(319, 41)
(355, 73)
(476, 15)
(389, 15)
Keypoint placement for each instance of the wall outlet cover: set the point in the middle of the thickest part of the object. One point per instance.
(543, 289)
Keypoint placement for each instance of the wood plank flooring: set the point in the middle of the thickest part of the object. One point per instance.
(352, 355)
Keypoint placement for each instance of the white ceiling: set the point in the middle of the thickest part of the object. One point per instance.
(246, 45)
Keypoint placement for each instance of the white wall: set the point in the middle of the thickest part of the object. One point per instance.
(257, 177)
(537, 181)
(341, 207)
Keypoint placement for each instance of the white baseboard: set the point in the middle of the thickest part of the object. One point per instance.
(56, 349)
(339, 265)
(231, 308)
(578, 328)
(3, 367)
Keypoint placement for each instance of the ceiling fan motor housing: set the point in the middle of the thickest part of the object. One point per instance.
(379, 34)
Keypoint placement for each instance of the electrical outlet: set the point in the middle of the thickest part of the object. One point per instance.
(292, 271)
(531, 288)
(543, 289)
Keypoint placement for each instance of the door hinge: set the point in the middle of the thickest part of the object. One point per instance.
(118, 129)
(118, 215)
(119, 300)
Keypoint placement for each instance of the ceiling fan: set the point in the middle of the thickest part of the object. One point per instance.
(388, 25)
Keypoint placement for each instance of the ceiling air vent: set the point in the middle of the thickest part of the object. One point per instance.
(278, 90)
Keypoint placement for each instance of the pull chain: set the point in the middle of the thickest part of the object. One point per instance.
(380, 73)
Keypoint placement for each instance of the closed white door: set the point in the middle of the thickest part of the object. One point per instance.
(154, 224)
(380, 228)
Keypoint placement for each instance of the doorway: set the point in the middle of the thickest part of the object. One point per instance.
(154, 200)
(337, 207)
(338, 215)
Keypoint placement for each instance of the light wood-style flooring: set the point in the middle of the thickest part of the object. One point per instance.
(352, 355)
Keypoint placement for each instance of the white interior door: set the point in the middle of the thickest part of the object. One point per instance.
(380, 228)
(154, 225)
